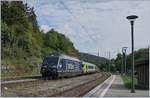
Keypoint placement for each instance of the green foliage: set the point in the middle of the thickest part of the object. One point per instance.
(23, 44)
(51, 39)
(142, 53)
(118, 61)
(59, 43)
(14, 11)
(128, 81)
(138, 55)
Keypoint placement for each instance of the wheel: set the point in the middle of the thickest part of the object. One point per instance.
(44, 76)
(48, 77)
(55, 76)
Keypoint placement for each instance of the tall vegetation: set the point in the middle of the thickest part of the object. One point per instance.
(140, 54)
(23, 44)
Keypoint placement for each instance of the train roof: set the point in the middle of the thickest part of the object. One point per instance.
(88, 63)
(65, 57)
(69, 57)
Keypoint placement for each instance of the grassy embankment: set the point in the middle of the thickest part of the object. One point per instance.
(128, 81)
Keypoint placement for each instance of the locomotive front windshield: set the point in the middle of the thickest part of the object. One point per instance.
(50, 61)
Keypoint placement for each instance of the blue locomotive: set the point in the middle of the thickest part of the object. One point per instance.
(64, 66)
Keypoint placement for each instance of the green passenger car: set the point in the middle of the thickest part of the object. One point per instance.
(88, 67)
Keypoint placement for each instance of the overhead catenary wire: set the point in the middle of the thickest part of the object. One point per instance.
(82, 26)
(39, 6)
(71, 13)
(92, 28)
(78, 22)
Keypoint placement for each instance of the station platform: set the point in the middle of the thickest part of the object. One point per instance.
(114, 87)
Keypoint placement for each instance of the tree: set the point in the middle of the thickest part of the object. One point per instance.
(118, 61)
(142, 53)
(22, 41)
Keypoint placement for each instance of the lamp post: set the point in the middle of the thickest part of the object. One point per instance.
(109, 62)
(122, 63)
(124, 52)
(132, 19)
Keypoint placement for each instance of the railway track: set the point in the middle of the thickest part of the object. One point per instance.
(26, 79)
(81, 89)
(41, 87)
(19, 79)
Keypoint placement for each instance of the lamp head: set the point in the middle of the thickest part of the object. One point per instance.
(124, 49)
(132, 17)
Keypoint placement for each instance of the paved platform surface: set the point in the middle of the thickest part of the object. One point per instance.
(114, 87)
(118, 89)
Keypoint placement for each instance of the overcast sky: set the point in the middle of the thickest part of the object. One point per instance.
(96, 25)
